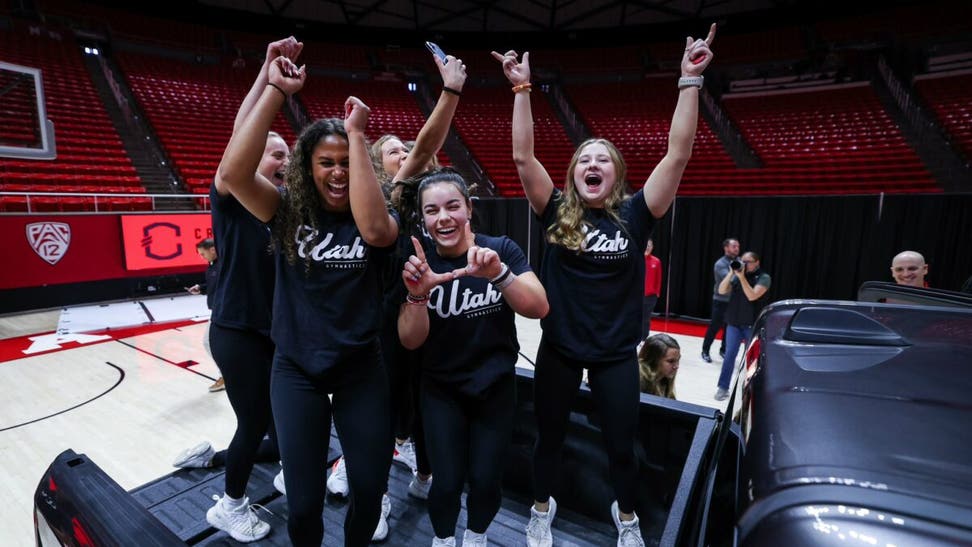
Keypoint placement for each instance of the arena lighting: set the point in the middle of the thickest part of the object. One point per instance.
(91, 50)
(412, 87)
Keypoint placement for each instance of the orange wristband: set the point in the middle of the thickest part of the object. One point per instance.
(527, 86)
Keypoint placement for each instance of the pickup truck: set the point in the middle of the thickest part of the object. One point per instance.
(855, 428)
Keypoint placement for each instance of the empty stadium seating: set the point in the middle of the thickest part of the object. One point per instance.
(393, 109)
(948, 97)
(837, 140)
(89, 151)
(192, 107)
(485, 123)
(636, 117)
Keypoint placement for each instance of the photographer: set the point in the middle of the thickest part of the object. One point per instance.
(745, 284)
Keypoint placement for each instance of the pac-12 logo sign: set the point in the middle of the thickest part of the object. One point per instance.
(50, 240)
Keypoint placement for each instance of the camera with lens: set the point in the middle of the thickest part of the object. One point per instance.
(736, 264)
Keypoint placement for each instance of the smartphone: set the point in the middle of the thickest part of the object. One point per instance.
(437, 51)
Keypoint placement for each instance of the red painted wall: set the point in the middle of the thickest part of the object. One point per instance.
(39, 250)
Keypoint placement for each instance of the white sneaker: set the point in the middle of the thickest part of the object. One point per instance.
(629, 533)
(419, 488)
(381, 531)
(538, 529)
(447, 542)
(278, 483)
(472, 539)
(337, 483)
(200, 455)
(405, 454)
(241, 523)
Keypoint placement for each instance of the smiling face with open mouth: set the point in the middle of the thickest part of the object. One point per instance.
(445, 212)
(329, 161)
(275, 158)
(595, 174)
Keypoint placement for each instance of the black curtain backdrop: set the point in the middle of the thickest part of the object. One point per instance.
(818, 247)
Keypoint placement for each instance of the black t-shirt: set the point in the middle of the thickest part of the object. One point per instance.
(741, 311)
(243, 292)
(595, 295)
(332, 310)
(472, 329)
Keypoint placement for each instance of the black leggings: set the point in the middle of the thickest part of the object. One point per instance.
(267, 452)
(715, 325)
(244, 358)
(404, 373)
(467, 439)
(614, 388)
(303, 415)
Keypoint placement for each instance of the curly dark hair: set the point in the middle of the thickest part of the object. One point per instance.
(299, 200)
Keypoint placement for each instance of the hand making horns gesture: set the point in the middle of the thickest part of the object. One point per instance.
(697, 54)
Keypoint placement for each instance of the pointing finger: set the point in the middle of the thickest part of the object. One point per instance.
(419, 251)
(711, 36)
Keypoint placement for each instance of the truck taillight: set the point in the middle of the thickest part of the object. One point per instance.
(752, 357)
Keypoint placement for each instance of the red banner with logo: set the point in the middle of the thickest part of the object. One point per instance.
(43, 250)
(163, 241)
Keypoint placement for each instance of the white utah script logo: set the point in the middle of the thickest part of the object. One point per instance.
(50, 240)
(596, 242)
(327, 252)
(448, 301)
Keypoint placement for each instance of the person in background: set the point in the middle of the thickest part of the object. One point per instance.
(909, 268)
(730, 250)
(658, 361)
(207, 251)
(746, 284)
(653, 279)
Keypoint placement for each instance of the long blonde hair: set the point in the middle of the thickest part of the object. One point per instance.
(567, 229)
(650, 355)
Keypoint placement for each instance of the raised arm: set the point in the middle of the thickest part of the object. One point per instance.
(288, 47)
(663, 182)
(752, 293)
(237, 170)
(536, 182)
(377, 227)
(433, 134)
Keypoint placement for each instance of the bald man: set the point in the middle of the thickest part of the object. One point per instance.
(909, 268)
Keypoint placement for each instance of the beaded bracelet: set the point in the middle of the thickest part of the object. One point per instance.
(412, 299)
(520, 87)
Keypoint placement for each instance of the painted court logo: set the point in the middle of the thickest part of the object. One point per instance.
(50, 240)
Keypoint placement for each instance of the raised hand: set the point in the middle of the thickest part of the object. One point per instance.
(286, 75)
(419, 277)
(288, 47)
(453, 72)
(355, 115)
(516, 72)
(697, 54)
